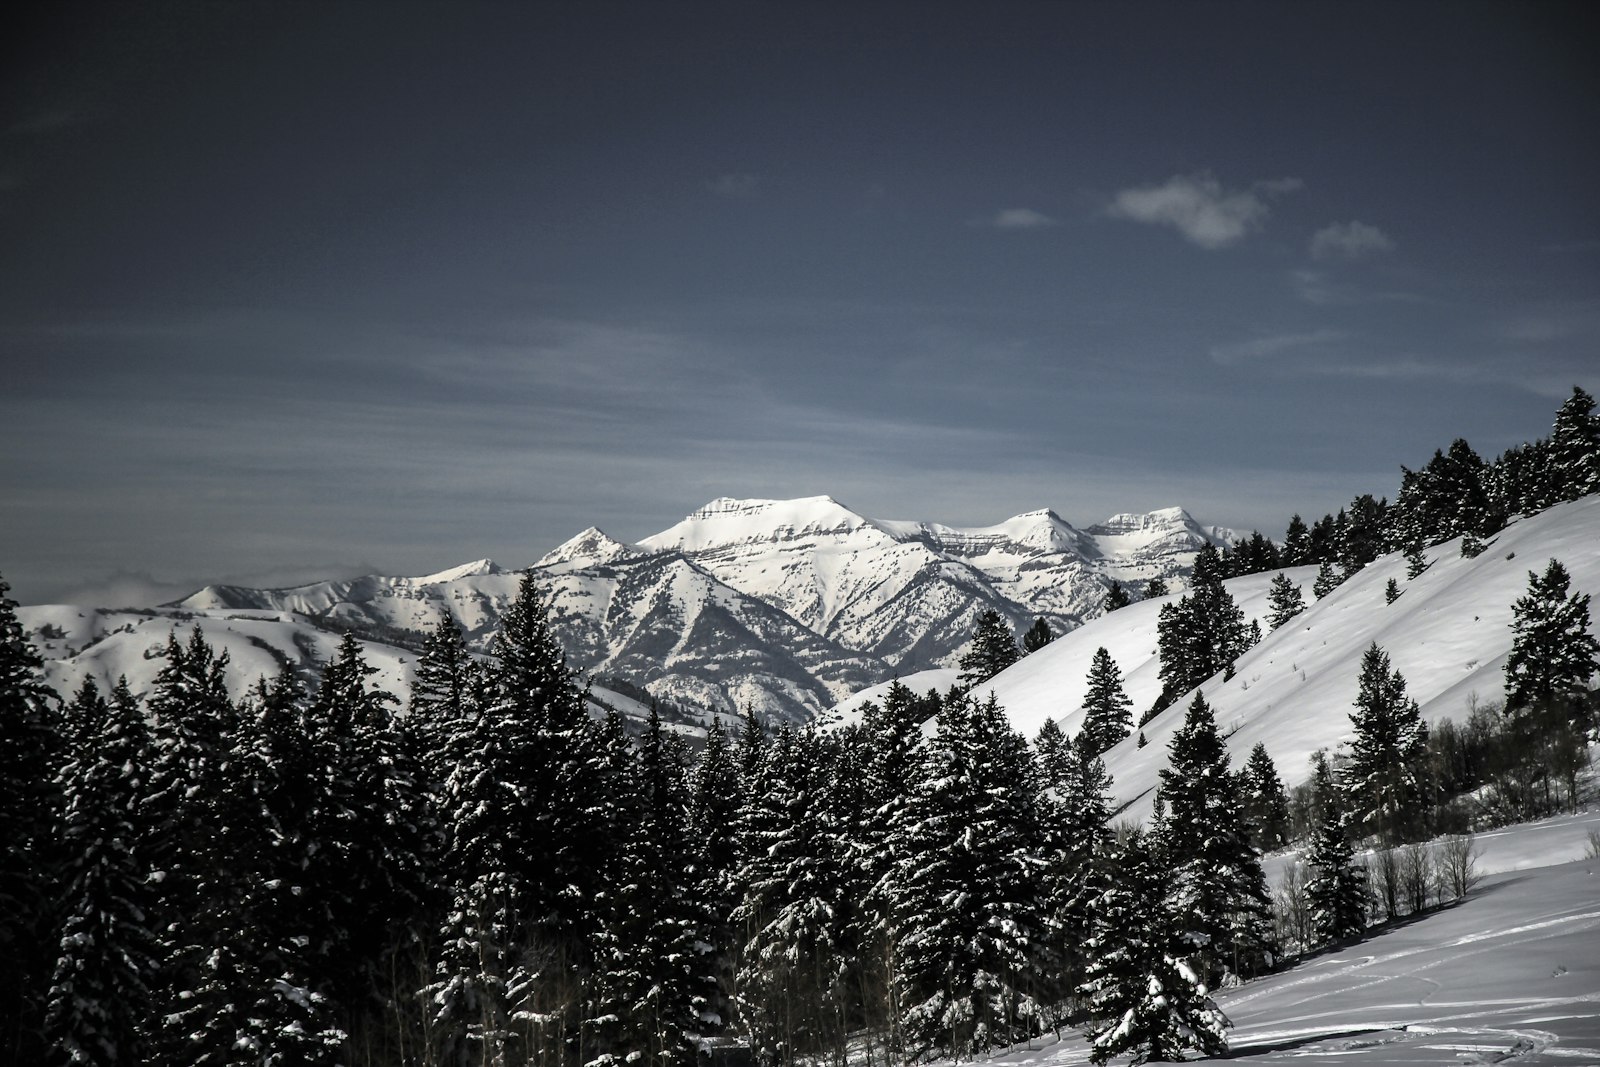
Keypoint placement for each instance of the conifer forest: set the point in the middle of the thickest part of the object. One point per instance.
(486, 874)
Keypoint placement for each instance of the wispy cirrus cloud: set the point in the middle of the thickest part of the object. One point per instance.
(1271, 345)
(1349, 240)
(1017, 218)
(1201, 208)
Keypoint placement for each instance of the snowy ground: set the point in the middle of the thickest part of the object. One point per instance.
(1510, 974)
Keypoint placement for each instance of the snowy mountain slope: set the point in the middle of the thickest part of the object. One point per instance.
(786, 606)
(1449, 634)
(109, 644)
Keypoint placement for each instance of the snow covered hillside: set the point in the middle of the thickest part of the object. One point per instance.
(1448, 633)
(786, 606)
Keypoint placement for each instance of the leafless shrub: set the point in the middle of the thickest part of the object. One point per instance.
(1592, 850)
(1291, 915)
(1457, 862)
(1385, 879)
(1416, 877)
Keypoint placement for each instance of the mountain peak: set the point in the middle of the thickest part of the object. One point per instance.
(591, 546)
(466, 570)
(1160, 520)
(729, 521)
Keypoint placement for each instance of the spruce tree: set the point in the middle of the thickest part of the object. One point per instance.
(29, 801)
(1266, 802)
(1285, 600)
(1337, 889)
(1553, 654)
(1215, 879)
(1037, 637)
(1201, 634)
(1327, 580)
(714, 812)
(1116, 597)
(1384, 780)
(1297, 543)
(1416, 562)
(649, 972)
(1391, 591)
(1107, 711)
(1155, 587)
(1053, 751)
(969, 902)
(100, 1001)
(1574, 450)
(1144, 997)
(992, 650)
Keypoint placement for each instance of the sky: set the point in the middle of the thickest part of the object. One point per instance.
(291, 291)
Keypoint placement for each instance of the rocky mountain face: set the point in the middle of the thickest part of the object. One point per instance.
(784, 605)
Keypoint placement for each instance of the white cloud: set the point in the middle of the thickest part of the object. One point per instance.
(1200, 208)
(735, 186)
(1272, 345)
(1020, 218)
(1350, 240)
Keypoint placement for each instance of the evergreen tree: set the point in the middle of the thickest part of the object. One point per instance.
(1553, 655)
(1054, 753)
(969, 907)
(1266, 802)
(441, 698)
(1384, 780)
(1116, 597)
(1215, 877)
(1337, 890)
(649, 973)
(791, 974)
(1297, 544)
(28, 812)
(1107, 711)
(1326, 581)
(100, 1000)
(1416, 563)
(1472, 545)
(1144, 996)
(1574, 450)
(203, 982)
(1285, 600)
(1201, 634)
(367, 820)
(713, 828)
(1391, 591)
(1155, 587)
(1037, 637)
(525, 810)
(1080, 867)
(992, 650)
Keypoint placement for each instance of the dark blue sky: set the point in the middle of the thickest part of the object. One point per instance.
(299, 290)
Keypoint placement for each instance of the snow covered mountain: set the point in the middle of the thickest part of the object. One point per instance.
(784, 605)
(1448, 633)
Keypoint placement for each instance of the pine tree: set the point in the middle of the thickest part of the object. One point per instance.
(1266, 802)
(1553, 655)
(969, 908)
(100, 999)
(649, 973)
(441, 698)
(1155, 587)
(1107, 711)
(203, 982)
(1144, 997)
(1574, 449)
(992, 650)
(1285, 600)
(1391, 591)
(1216, 881)
(29, 800)
(1116, 597)
(1416, 563)
(1201, 634)
(1384, 783)
(367, 819)
(1054, 753)
(1080, 864)
(1297, 543)
(791, 974)
(1037, 637)
(1337, 890)
(1327, 580)
(525, 810)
